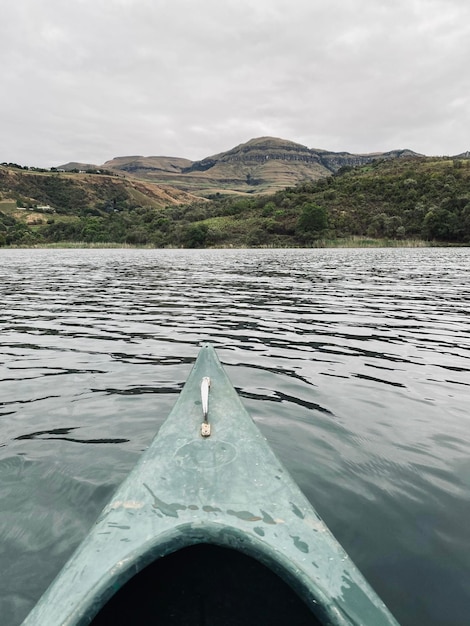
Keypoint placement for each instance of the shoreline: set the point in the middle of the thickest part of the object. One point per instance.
(348, 242)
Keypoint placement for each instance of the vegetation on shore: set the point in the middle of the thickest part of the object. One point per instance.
(420, 199)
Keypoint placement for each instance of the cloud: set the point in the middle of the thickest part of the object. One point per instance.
(91, 80)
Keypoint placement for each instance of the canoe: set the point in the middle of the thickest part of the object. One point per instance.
(209, 529)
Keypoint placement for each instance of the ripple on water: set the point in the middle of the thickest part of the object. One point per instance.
(354, 363)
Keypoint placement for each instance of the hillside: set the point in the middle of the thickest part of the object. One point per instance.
(423, 199)
(34, 203)
(259, 166)
(71, 193)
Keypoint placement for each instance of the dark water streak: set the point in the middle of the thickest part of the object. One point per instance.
(354, 363)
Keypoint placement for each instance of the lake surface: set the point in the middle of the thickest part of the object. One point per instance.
(355, 364)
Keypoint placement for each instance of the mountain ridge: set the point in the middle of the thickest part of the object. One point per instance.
(260, 165)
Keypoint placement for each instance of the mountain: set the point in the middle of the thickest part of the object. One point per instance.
(261, 165)
(149, 165)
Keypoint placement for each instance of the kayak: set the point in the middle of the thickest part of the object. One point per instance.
(208, 529)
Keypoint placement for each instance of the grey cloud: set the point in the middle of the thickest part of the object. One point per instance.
(91, 80)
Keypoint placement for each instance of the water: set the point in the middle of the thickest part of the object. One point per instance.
(354, 363)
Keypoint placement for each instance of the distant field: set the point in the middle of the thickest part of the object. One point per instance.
(7, 205)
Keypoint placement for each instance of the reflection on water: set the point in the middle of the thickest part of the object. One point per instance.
(354, 363)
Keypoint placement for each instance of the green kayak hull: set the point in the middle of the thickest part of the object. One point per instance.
(209, 529)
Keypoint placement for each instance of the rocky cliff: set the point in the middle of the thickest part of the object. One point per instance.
(261, 165)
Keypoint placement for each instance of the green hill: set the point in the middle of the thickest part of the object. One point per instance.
(393, 199)
(420, 198)
(39, 206)
(72, 192)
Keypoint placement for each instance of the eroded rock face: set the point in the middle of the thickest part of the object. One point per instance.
(260, 165)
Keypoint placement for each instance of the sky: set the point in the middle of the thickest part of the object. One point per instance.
(89, 80)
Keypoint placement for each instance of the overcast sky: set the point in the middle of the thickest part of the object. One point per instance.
(88, 80)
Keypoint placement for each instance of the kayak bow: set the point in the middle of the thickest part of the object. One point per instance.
(209, 528)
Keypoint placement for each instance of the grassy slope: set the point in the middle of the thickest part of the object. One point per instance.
(74, 191)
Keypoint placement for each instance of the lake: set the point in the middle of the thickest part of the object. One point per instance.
(354, 363)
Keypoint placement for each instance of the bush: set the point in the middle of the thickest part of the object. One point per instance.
(441, 224)
(195, 235)
(313, 219)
